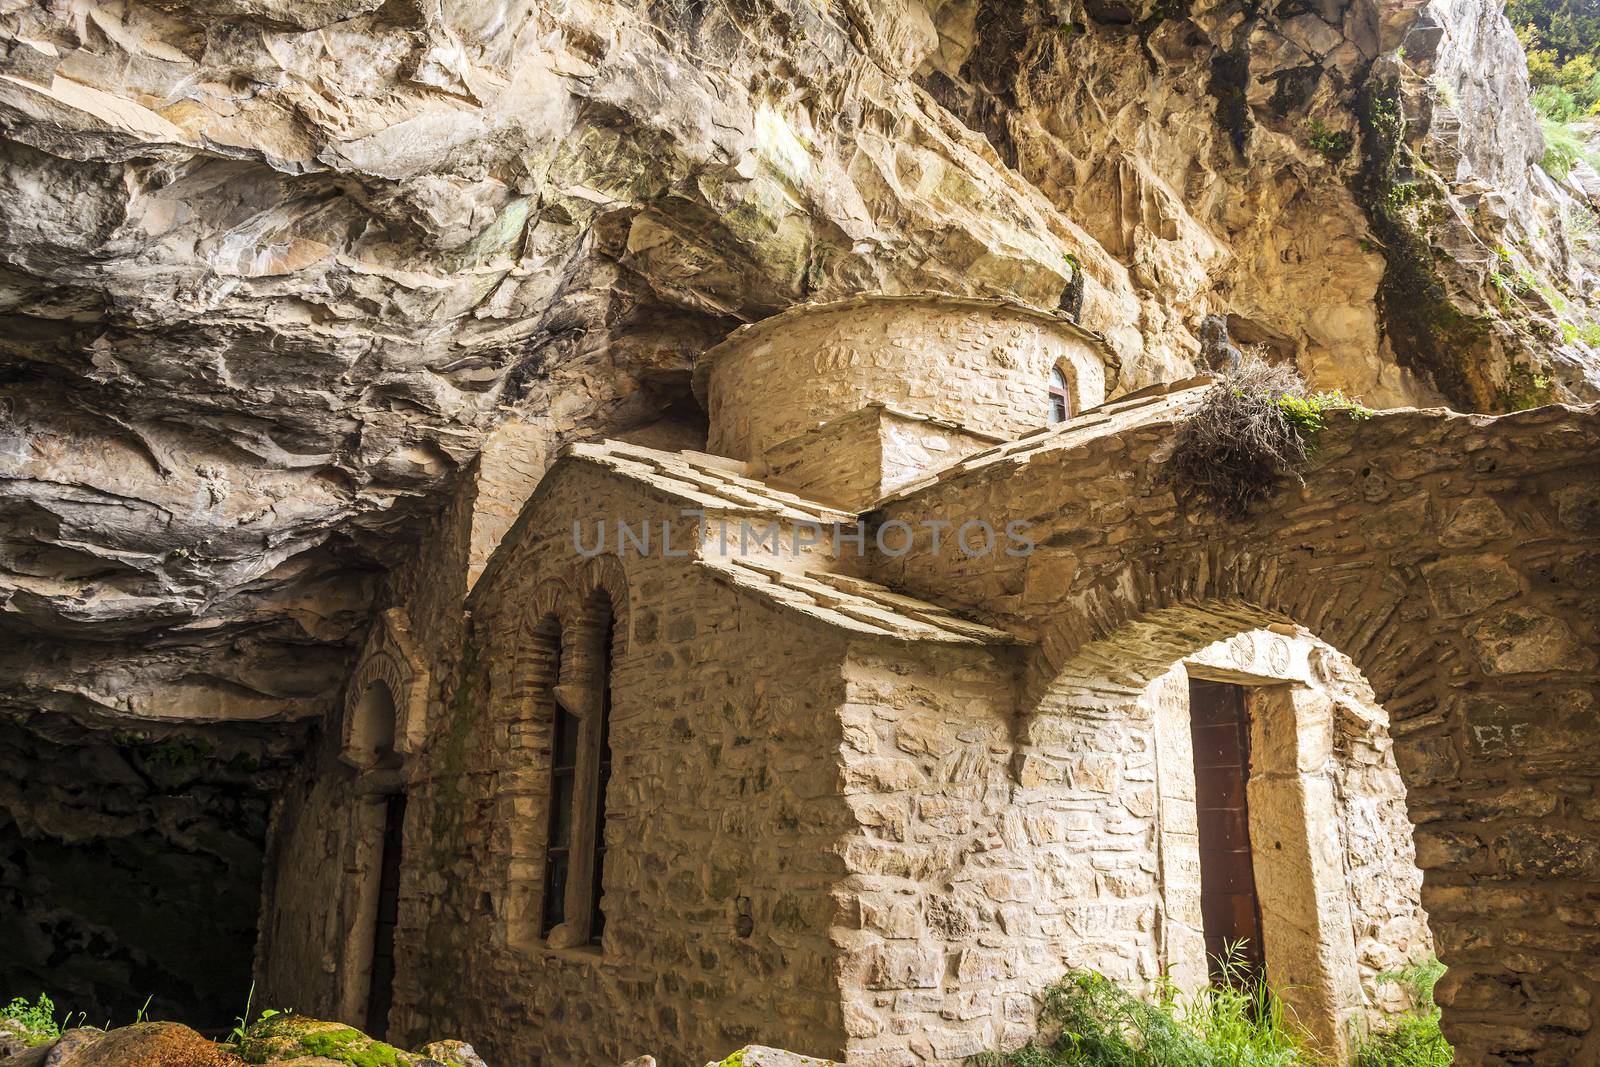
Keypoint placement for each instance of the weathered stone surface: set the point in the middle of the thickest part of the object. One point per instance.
(841, 814)
(761, 1056)
(276, 271)
(139, 1045)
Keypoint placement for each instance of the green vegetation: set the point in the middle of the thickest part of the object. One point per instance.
(1305, 413)
(38, 1018)
(1563, 147)
(1240, 1024)
(285, 1036)
(1588, 332)
(1333, 145)
(1250, 433)
(1414, 1039)
(1404, 200)
(1562, 38)
(242, 1023)
(1096, 1024)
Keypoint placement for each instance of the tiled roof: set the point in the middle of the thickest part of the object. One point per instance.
(855, 604)
(705, 482)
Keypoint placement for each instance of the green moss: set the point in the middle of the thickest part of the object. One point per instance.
(288, 1037)
(1430, 334)
(735, 1060)
(352, 1047)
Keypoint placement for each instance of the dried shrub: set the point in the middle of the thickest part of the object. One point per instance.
(1240, 444)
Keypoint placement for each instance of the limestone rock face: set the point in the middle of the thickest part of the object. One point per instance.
(273, 270)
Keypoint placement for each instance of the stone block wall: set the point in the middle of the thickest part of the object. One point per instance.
(855, 460)
(1451, 557)
(321, 849)
(982, 364)
(722, 812)
(980, 872)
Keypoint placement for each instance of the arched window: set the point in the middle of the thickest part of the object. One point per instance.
(564, 730)
(580, 771)
(1060, 396)
(372, 732)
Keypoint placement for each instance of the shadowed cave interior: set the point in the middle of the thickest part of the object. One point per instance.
(130, 865)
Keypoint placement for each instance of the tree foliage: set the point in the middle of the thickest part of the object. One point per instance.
(1562, 38)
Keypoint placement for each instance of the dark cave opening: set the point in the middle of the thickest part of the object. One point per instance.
(131, 865)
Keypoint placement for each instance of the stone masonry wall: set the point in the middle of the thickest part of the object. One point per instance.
(1451, 557)
(855, 460)
(1323, 777)
(316, 858)
(934, 916)
(723, 799)
(772, 381)
(980, 875)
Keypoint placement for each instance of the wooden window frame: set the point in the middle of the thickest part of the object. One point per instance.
(1060, 395)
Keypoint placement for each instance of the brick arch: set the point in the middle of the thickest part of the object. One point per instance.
(605, 577)
(1453, 558)
(1475, 652)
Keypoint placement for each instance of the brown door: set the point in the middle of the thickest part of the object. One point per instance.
(381, 995)
(1229, 910)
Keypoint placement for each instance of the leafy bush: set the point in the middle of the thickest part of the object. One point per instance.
(38, 1017)
(1563, 147)
(1562, 38)
(1556, 104)
(1333, 145)
(1414, 1039)
(1093, 1023)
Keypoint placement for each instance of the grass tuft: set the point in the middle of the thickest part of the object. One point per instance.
(1413, 1039)
(1094, 1023)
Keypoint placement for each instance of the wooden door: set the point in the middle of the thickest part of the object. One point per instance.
(381, 995)
(1229, 909)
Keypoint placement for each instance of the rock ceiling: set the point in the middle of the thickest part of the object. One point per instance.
(272, 270)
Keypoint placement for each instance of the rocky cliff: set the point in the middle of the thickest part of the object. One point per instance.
(273, 269)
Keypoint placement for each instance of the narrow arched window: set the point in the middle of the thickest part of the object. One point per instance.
(597, 917)
(564, 730)
(1060, 396)
(580, 771)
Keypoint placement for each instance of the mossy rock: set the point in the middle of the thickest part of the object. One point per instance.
(139, 1045)
(450, 1054)
(15, 1035)
(296, 1039)
(762, 1056)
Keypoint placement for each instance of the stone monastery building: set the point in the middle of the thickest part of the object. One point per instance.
(851, 727)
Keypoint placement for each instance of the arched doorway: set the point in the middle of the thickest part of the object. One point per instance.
(1282, 822)
(376, 861)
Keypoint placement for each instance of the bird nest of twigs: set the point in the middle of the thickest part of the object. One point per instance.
(1241, 444)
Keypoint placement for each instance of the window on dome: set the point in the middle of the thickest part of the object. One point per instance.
(1060, 397)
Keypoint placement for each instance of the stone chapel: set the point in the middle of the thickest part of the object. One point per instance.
(851, 727)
